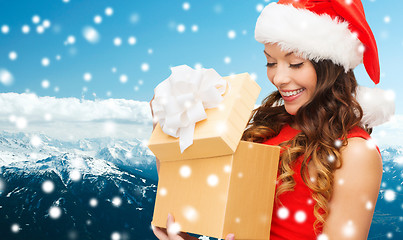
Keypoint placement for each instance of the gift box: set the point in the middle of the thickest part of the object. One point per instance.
(219, 184)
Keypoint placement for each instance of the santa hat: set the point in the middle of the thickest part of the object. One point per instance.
(329, 29)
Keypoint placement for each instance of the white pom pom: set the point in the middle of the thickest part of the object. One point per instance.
(378, 105)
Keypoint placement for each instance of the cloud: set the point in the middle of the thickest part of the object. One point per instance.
(73, 118)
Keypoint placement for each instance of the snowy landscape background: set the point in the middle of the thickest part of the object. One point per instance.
(76, 78)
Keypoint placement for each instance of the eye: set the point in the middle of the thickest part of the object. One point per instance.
(296, 65)
(270, 64)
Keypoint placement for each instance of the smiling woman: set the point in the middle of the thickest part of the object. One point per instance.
(294, 77)
(316, 119)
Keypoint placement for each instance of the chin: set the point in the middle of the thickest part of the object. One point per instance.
(291, 110)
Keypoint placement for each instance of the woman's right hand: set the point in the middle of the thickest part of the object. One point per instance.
(163, 234)
(152, 113)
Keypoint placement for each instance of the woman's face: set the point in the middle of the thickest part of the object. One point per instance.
(294, 76)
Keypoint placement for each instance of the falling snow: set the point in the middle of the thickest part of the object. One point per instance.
(15, 228)
(46, 23)
(40, 29)
(185, 171)
(48, 186)
(75, 175)
(91, 35)
(55, 212)
(117, 41)
(108, 11)
(45, 83)
(259, 7)
(212, 180)
(231, 34)
(36, 19)
(145, 67)
(186, 6)
(93, 202)
(87, 76)
(174, 228)
(25, 29)
(300, 216)
(132, 40)
(190, 213)
(45, 62)
(6, 77)
(21, 123)
(97, 19)
(349, 229)
(36, 141)
(390, 195)
(71, 39)
(123, 78)
(181, 28)
(117, 201)
(116, 236)
(283, 213)
(323, 237)
(5, 29)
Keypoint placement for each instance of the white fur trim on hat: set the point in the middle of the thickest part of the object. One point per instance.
(315, 37)
(378, 105)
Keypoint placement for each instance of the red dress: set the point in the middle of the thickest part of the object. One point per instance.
(294, 220)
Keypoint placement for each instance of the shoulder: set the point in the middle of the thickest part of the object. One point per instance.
(361, 151)
(355, 190)
(361, 163)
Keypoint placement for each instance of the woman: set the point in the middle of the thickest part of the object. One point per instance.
(329, 173)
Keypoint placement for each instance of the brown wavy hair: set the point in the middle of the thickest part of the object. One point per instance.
(326, 117)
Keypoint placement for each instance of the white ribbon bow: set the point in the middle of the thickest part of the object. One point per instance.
(180, 100)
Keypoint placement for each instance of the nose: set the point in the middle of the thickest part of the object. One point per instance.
(280, 77)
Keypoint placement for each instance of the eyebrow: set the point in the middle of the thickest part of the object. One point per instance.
(288, 54)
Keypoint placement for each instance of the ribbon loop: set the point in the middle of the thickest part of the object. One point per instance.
(180, 100)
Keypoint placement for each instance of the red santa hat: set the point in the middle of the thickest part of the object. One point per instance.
(321, 29)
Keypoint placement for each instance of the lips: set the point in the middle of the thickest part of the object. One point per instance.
(290, 96)
(290, 93)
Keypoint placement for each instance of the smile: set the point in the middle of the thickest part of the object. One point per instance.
(291, 93)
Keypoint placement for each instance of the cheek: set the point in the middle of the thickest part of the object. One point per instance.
(270, 76)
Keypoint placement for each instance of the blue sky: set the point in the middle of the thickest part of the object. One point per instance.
(159, 45)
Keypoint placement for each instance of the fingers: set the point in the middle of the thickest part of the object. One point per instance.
(230, 236)
(152, 113)
(160, 233)
(173, 229)
(151, 106)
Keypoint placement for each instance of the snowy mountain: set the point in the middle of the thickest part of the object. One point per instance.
(131, 155)
(51, 189)
(388, 218)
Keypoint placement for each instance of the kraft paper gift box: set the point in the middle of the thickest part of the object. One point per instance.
(220, 184)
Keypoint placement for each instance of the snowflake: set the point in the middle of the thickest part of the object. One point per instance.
(97, 19)
(185, 171)
(48, 186)
(55, 212)
(108, 11)
(283, 213)
(186, 6)
(231, 34)
(36, 19)
(181, 28)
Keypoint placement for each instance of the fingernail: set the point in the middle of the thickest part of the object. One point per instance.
(169, 216)
(231, 237)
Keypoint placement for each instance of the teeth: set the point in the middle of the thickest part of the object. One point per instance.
(288, 94)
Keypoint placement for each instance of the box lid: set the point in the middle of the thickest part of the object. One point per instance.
(221, 132)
